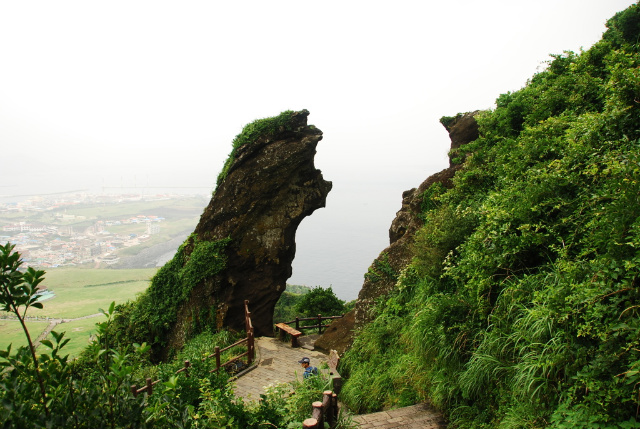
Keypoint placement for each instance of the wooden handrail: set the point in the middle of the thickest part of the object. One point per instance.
(149, 384)
(233, 359)
(249, 339)
(319, 318)
(305, 319)
(250, 353)
(237, 343)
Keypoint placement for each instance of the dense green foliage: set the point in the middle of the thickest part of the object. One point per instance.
(149, 318)
(320, 301)
(521, 308)
(381, 269)
(266, 127)
(303, 301)
(46, 389)
(285, 309)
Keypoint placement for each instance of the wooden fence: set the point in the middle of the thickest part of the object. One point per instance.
(319, 318)
(250, 354)
(250, 340)
(149, 384)
(325, 411)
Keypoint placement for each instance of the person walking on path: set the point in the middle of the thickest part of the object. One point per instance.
(308, 369)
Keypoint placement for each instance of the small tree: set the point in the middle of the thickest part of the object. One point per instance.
(320, 301)
(18, 291)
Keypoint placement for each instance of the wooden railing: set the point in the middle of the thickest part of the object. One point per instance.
(149, 384)
(250, 353)
(250, 340)
(336, 378)
(325, 411)
(319, 326)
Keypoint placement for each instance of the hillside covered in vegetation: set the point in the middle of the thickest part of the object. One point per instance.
(520, 308)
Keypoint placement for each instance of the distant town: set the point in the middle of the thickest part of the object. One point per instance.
(85, 229)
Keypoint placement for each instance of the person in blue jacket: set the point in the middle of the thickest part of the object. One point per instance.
(308, 369)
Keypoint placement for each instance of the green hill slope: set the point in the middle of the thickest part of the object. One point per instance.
(521, 306)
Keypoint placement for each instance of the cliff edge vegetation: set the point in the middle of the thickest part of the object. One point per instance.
(520, 308)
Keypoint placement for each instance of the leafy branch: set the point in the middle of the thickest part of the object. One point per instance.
(18, 289)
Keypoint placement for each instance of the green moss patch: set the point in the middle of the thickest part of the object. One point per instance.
(267, 127)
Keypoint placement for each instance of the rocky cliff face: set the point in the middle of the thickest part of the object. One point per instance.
(382, 275)
(270, 185)
(384, 271)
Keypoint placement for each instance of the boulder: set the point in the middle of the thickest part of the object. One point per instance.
(338, 335)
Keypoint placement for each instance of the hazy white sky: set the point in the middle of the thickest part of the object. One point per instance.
(152, 92)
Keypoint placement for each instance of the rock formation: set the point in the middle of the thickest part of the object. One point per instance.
(269, 185)
(382, 275)
(337, 336)
(462, 130)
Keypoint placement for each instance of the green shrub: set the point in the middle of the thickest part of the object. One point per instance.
(520, 307)
(267, 128)
(320, 301)
(150, 317)
(47, 390)
(285, 309)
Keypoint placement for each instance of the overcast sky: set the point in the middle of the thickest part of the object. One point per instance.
(151, 93)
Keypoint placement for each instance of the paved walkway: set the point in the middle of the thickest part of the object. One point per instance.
(277, 363)
(420, 416)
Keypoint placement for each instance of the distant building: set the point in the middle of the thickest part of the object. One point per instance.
(153, 228)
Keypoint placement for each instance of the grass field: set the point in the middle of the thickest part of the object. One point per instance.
(11, 332)
(78, 332)
(78, 293)
(81, 292)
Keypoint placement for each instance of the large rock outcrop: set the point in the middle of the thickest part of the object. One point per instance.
(268, 186)
(383, 273)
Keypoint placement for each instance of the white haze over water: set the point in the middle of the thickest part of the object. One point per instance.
(110, 96)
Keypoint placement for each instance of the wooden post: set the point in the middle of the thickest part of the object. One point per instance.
(297, 323)
(134, 390)
(319, 323)
(317, 413)
(334, 402)
(149, 387)
(310, 424)
(327, 405)
(247, 315)
(250, 349)
(217, 353)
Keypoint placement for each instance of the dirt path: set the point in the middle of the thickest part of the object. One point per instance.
(55, 322)
(47, 331)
